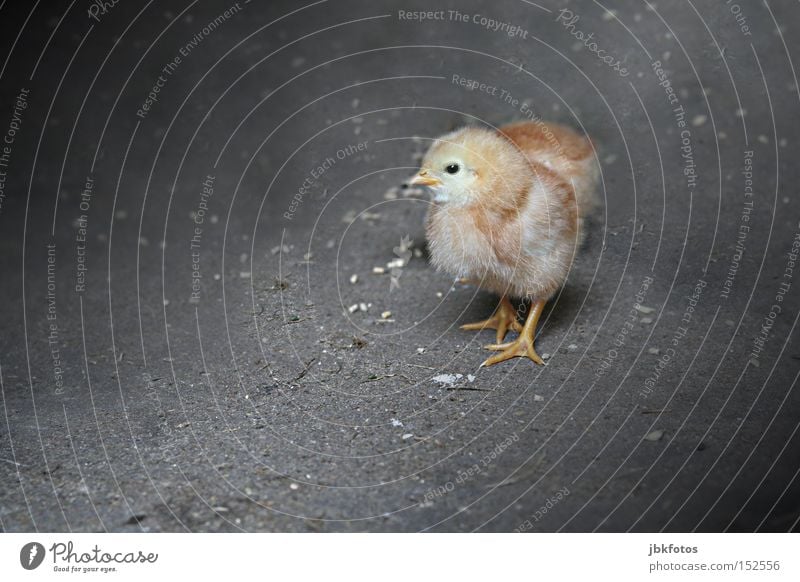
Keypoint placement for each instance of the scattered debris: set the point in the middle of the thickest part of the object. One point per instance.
(699, 120)
(470, 378)
(654, 351)
(353, 308)
(353, 279)
(396, 264)
(447, 379)
(537, 398)
(645, 310)
(386, 315)
(396, 422)
(378, 270)
(407, 436)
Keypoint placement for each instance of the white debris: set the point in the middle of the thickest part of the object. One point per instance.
(279, 249)
(353, 308)
(353, 279)
(470, 378)
(407, 436)
(572, 347)
(244, 274)
(396, 422)
(396, 264)
(386, 315)
(420, 350)
(294, 486)
(699, 120)
(656, 435)
(378, 270)
(447, 379)
(363, 306)
(537, 398)
(654, 351)
(545, 356)
(645, 310)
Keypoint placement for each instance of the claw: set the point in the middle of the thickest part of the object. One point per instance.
(522, 347)
(519, 348)
(503, 319)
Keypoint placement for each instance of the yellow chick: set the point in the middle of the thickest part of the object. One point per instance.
(507, 214)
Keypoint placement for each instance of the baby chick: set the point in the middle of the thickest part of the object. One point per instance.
(507, 214)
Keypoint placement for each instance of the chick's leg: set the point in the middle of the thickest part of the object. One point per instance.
(522, 347)
(505, 317)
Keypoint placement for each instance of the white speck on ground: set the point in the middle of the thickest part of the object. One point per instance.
(537, 398)
(447, 379)
(396, 422)
(656, 435)
(699, 120)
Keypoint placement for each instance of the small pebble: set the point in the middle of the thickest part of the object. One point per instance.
(353, 279)
(386, 314)
(378, 270)
(537, 398)
(656, 435)
(654, 351)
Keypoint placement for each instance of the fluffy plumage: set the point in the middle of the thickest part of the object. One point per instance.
(508, 208)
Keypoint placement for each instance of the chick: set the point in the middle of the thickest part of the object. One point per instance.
(507, 214)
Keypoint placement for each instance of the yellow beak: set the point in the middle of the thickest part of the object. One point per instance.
(425, 179)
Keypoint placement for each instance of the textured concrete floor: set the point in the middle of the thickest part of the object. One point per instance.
(252, 158)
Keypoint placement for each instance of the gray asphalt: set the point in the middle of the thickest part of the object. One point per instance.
(182, 347)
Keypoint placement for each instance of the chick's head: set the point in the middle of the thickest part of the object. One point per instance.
(471, 164)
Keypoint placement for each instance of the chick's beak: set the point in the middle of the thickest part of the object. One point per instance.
(423, 178)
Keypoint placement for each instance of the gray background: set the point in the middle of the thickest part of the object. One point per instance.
(267, 405)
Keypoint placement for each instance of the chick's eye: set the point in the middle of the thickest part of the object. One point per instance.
(452, 168)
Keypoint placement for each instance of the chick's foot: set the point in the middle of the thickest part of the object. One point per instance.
(522, 347)
(504, 318)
